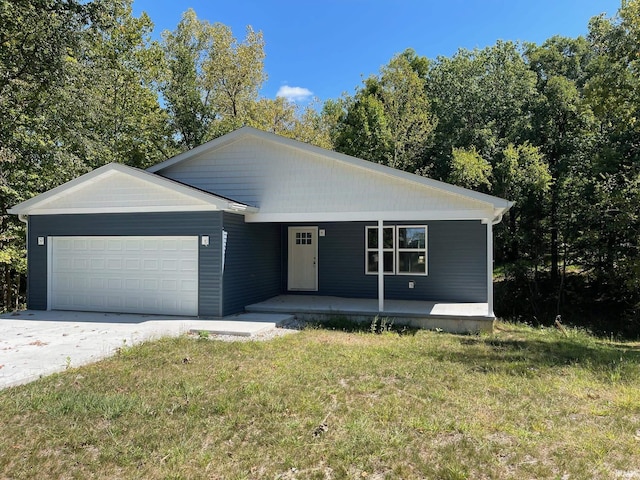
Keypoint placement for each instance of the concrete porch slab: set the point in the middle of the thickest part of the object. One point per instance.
(448, 316)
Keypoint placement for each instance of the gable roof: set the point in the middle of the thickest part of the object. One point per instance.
(318, 184)
(117, 188)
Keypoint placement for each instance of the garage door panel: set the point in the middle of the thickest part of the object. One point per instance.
(168, 265)
(189, 285)
(191, 265)
(150, 264)
(125, 274)
(97, 245)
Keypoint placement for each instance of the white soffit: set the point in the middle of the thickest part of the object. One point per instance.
(116, 188)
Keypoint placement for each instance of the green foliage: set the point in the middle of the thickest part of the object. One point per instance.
(522, 172)
(480, 99)
(114, 83)
(522, 175)
(389, 120)
(468, 169)
(285, 118)
(380, 325)
(363, 132)
(210, 80)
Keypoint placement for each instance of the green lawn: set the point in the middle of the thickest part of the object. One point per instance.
(521, 403)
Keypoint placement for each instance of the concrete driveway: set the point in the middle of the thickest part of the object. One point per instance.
(37, 343)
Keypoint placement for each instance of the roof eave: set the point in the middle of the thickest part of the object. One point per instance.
(36, 203)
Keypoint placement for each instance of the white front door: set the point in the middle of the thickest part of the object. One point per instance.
(303, 258)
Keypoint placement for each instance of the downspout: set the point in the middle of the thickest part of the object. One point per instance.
(380, 266)
(25, 219)
(490, 269)
(490, 224)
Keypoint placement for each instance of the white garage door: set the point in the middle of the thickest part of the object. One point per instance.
(124, 274)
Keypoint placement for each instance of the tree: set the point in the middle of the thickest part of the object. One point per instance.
(522, 175)
(389, 120)
(109, 110)
(285, 118)
(561, 123)
(362, 129)
(36, 39)
(211, 81)
(481, 99)
(613, 93)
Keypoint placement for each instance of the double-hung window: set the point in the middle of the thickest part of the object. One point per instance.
(404, 248)
(412, 250)
(388, 242)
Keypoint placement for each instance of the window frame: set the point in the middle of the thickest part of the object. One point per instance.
(367, 249)
(396, 250)
(400, 250)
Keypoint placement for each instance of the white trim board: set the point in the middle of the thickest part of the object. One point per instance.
(389, 216)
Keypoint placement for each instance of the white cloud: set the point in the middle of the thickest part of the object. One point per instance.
(294, 94)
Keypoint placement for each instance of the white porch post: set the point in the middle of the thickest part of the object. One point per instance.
(490, 268)
(380, 266)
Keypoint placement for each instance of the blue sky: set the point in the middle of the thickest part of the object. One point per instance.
(322, 48)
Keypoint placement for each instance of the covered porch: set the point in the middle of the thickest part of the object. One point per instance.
(450, 317)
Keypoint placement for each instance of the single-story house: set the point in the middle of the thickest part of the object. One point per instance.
(252, 216)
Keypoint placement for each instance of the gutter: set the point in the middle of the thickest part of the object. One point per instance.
(498, 216)
(242, 208)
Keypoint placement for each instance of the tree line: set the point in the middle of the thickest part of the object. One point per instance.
(554, 127)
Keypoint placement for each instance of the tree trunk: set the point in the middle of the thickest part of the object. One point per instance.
(515, 250)
(554, 236)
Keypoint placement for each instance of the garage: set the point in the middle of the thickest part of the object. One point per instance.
(132, 274)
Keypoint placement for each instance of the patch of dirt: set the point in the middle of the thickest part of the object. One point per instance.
(502, 439)
(627, 474)
(445, 439)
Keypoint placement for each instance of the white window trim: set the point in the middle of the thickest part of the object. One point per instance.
(412, 250)
(397, 250)
(367, 250)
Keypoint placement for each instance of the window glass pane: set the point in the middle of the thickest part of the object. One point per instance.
(388, 262)
(372, 262)
(412, 262)
(387, 237)
(372, 238)
(411, 237)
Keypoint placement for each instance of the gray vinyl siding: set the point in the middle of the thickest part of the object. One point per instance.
(457, 262)
(151, 224)
(252, 263)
